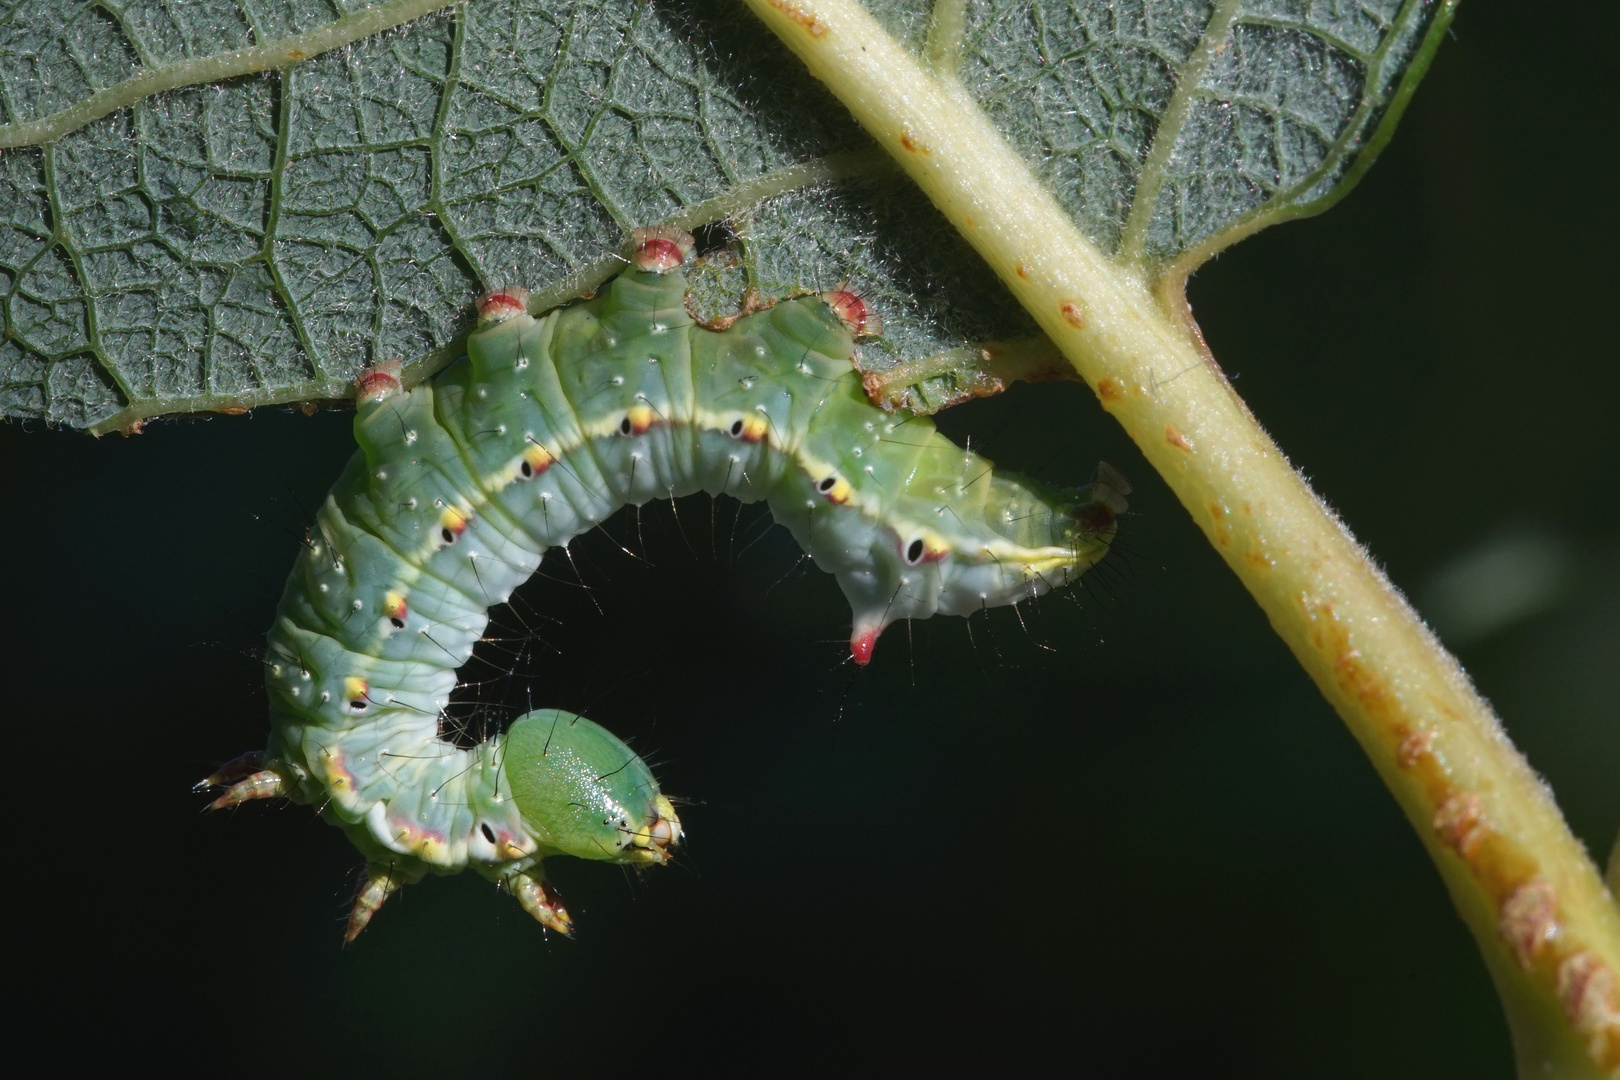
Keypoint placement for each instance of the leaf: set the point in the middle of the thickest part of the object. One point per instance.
(225, 232)
(1169, 129)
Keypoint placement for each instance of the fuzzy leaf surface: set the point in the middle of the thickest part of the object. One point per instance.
(260, 238)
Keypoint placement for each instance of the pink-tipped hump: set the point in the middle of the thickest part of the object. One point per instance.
(660, 249)
(853, 312)
(378, 382)
(502, 304)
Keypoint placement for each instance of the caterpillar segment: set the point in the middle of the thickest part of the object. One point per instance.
(550, 425)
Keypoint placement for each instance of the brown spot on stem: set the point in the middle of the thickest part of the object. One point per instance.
(814, 25)
(1109, 390)
(1505, 872)
(296, 54)
(379, 381)
(1175, 438)
(233, 410)
(1072, 314)
(1499, 864)
(1022, 271)
(1528, 920)
(1217, 523)
(1459, 825)
(1414, 747)
(1586, 990)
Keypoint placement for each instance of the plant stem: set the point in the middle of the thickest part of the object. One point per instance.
(1549, 929)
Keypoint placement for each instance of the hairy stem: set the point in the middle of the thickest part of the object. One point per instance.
(1548, 928)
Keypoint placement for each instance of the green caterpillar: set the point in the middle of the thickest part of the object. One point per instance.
(545, 429)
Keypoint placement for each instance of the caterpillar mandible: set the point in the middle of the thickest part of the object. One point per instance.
(547, 427)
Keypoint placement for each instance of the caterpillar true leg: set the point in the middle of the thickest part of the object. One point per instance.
(264, 784)
(536, 897)
(549, 426)
(378, 885)
(237, 768)
(244, 778)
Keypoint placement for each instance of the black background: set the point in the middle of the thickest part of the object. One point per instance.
(1152, 848)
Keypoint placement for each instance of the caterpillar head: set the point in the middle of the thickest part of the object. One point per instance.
(1102, 501)
(583, 792)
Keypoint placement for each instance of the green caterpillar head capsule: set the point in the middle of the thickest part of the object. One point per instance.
(583, 792)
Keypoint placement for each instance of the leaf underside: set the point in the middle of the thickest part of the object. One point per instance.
(261, 238)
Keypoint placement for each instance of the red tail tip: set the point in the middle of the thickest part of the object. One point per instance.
(861, 645)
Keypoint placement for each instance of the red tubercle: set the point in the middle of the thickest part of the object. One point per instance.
(502, 304)
(853, 312)
(658, 256)
(378, 382)
(661, 249)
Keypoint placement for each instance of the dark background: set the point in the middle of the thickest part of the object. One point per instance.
(1151, 848)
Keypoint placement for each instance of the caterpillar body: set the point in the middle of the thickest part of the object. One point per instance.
(547, 427)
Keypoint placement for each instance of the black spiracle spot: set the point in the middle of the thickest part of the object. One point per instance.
(736, 428)
(827, 485)
(399, 623)
(449, 537)
(489, 834)
(625, 427)
(527, 470)
(358, 704)
(914, 552)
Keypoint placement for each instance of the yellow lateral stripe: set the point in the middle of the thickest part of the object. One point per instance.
(1036, 559)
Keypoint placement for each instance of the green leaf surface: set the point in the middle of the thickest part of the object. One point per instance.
(206, 242)
(1164, 127)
